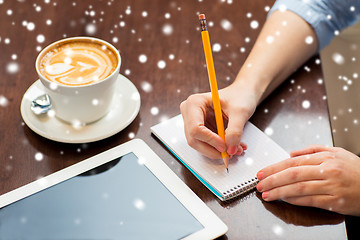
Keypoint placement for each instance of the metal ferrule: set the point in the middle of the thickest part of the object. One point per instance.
(203, 25)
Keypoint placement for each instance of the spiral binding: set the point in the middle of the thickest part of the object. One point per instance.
(240, 189)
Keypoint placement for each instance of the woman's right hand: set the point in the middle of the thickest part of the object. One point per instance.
(237, 103)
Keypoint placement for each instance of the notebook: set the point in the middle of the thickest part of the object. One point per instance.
(262, 151)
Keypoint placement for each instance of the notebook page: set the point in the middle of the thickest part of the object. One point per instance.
(261, 152)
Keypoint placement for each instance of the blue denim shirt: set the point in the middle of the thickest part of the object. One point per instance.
(326, 17)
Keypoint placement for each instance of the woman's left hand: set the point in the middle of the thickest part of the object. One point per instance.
(317, 176)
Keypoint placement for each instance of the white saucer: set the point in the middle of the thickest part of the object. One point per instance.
(125, 107)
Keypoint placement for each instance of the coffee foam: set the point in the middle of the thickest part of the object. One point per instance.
(78, 63)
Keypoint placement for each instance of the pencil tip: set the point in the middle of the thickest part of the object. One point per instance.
(201, 16)
(227, 169)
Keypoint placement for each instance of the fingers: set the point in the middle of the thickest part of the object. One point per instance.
(205, 135)
(198, 136)
(313, 159)
(299, 189)
(194, 111)
(319, 201)
(233, 132)
(309, 150)
(291, 176)
(205, 149)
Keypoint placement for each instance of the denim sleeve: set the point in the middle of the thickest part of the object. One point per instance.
(326, 17)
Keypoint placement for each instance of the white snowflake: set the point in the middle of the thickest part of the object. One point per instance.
(309, 40)
(269, 131)
(254, 24)
(216, 47)
(40, 38)
(139, 204)
(226, 24)
(142, 58)
(282, 8)
(30, 26)
(161, 64)
(90, 29)
(278, 230)
(128, 10)
(3, 101)
(51, 113)
(131, 135)
(269, 39)
(154, 111)
(76, 124)
(12, 67)
(167, 29)
(95, 102)
(338, 58)
(306, 104)
(146, 86)
(249, 161)
(135, 96)
(39, 156)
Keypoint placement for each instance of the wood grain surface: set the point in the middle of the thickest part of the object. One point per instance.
(167, 33)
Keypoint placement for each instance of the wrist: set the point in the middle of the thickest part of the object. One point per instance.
(254, 84)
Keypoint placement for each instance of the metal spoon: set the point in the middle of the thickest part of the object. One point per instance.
(41, 104)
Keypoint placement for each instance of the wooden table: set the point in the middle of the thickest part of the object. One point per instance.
(165, 32)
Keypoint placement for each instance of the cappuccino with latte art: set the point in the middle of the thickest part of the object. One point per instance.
(77, 62)
(80, 75)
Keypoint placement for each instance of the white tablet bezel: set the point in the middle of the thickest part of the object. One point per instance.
(213, 226)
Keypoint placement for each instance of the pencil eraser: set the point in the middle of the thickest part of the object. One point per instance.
(201, 16)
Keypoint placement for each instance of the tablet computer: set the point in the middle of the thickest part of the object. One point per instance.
(127, 192)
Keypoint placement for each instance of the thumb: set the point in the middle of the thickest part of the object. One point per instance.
(234, 132)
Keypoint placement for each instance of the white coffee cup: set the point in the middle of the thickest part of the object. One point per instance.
(78, 103)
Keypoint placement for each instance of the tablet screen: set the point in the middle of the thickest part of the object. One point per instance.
(121, 199)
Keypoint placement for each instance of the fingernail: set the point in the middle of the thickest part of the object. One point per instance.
(244, 147)
(259, 187)
(220, 148)
(231, 150)
(265, 195)
(240, 151)
(260, 175)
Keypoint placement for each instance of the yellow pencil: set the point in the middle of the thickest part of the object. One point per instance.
(213, 85)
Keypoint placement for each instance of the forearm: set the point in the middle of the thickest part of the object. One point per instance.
(279, 50)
